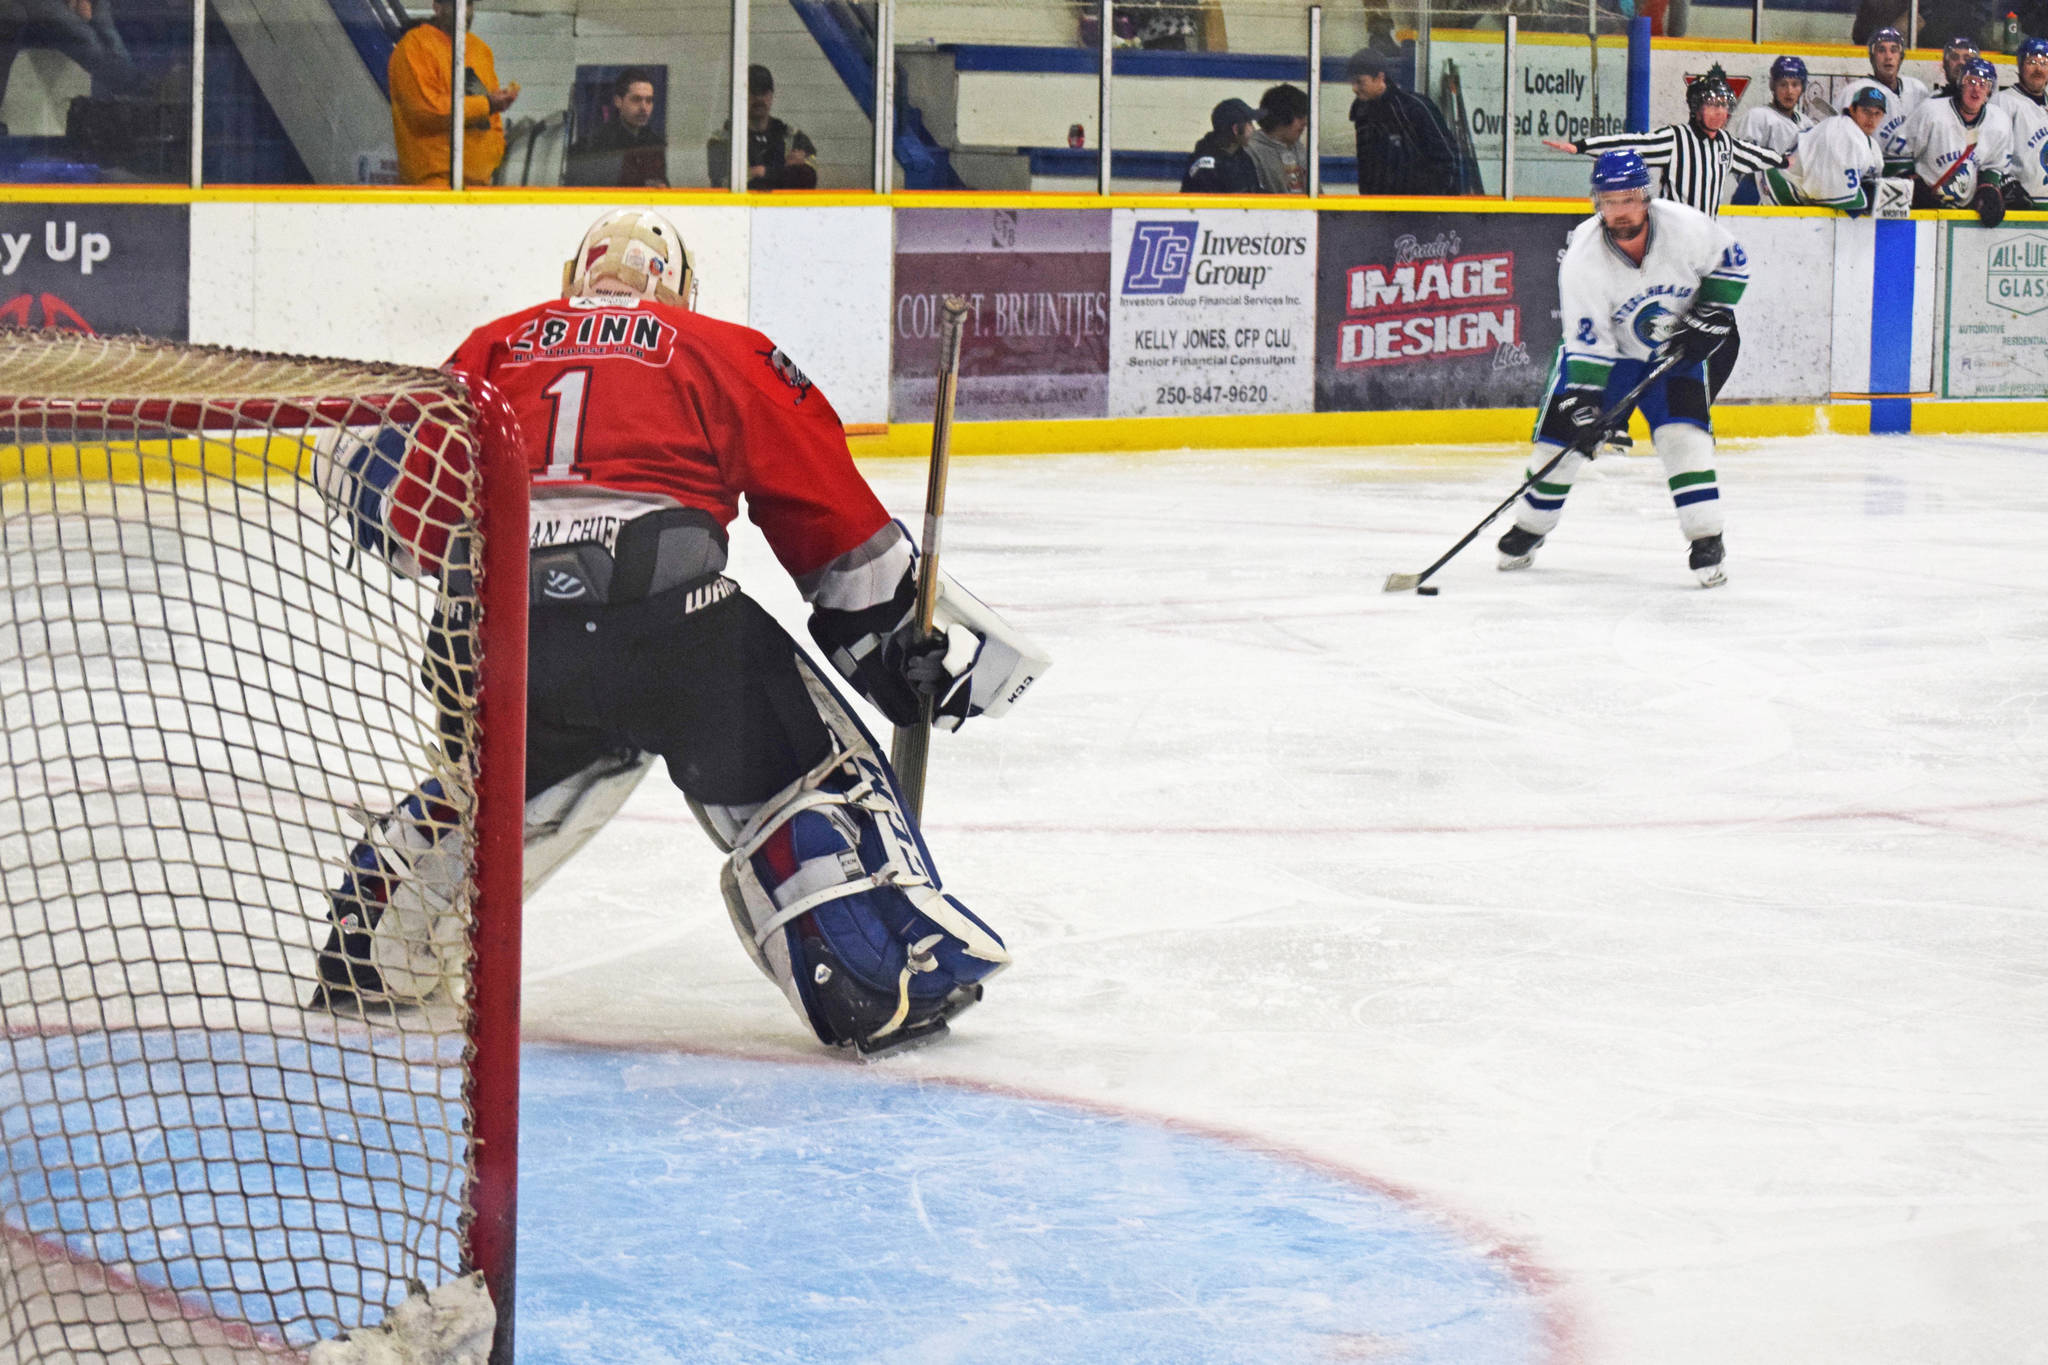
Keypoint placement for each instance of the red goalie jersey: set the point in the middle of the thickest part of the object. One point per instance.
(628, 404)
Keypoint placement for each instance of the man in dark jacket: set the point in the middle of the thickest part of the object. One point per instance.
(625, 149)
(1220, 165)
(1403, 146)
(779, 157)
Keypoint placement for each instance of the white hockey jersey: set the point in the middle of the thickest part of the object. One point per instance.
(1898, 107)
(1614, 309)
(1952, 159)
(2029, 141)
(1767, 125)
(1833, 162)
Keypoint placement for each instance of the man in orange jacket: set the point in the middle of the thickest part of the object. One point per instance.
(421, 70)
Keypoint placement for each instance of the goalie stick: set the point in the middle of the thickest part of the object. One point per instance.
(1612, 420)
(912, 744)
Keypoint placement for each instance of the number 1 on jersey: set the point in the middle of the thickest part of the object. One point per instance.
(565, 427)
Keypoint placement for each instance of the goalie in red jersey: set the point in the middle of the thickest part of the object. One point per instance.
(644, 424)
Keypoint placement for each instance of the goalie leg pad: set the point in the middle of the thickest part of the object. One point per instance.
(398, 933)
(831, 892)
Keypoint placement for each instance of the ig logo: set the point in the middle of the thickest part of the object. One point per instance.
(1160, 256)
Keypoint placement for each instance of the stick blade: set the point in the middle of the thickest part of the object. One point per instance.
(1402, 582)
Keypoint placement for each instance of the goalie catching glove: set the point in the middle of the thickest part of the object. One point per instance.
(973, 664)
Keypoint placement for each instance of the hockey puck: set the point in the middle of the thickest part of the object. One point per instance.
(1426, 591)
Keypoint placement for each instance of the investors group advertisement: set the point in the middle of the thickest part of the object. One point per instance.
(1213, 312)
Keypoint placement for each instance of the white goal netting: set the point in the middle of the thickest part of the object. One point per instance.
(209, 691)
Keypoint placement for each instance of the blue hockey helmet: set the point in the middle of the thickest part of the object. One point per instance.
(1981, 70)
(1888, 35)
(1621, 170)
(1788, 66)
(2032, 47)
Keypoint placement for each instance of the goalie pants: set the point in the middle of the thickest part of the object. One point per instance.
(713, 689)
(1678, 409)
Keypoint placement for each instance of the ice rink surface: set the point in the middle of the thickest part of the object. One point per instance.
(1687, 950)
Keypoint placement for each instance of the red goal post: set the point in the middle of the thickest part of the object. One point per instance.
(212, 687)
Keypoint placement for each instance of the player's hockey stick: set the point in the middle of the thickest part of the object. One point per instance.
(912, 744)
(1610, 421)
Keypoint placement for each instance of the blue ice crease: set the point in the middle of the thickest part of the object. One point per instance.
(681, 1208)
(678, 1208)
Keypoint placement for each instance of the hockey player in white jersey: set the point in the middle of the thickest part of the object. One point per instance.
(1778, 124)
(1642, 281)
(1902, 95)
(1775, 124)
(1836, 164)
(2026, 103)
(1961, 147)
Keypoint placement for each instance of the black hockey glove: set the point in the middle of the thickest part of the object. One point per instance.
(1578, 406)
(1989, 205)
(1699, 333)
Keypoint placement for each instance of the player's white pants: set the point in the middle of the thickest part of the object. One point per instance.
(1688, 456)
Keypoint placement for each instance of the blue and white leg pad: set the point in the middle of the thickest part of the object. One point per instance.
(834, 895)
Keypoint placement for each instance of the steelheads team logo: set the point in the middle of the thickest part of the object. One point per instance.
(1651, 325)
(2016, 274)
(1427, 303)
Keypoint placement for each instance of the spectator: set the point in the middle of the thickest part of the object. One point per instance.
(1219, 165)
(1275, 147)
(82, 30)
(421, 103)
(1403, 146)
(778, 156)
(625, 148)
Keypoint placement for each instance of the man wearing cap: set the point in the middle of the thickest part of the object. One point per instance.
(778, 156)
(1836, 163)
(1220, 165)
(1403, 146)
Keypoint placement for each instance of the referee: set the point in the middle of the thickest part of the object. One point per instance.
(1696, 158)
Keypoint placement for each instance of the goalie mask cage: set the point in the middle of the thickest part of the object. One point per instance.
(209, 693)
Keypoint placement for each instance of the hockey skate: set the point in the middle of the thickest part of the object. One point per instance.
(1518, 548)
(1706, 561)
(348, 983)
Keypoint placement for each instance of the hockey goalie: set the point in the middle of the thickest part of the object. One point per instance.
(645, 423)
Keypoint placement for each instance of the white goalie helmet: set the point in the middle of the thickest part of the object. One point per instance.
(640, 253)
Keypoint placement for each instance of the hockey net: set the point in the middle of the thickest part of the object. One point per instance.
(209, 691)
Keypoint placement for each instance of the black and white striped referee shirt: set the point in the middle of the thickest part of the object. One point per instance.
(1695, 168)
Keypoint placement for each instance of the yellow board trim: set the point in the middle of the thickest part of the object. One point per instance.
(247, 458)
(1468, 426)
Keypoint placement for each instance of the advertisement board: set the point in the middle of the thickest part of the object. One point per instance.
(1214, 312)
(1565, 88)
(1037, 289)
(1453, 310)
(1998, 313)
(95, 267)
